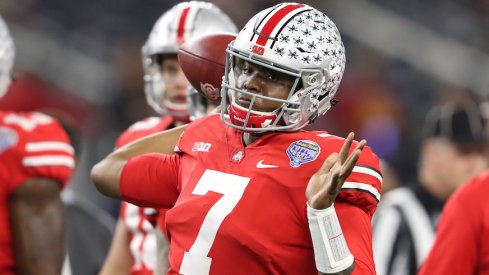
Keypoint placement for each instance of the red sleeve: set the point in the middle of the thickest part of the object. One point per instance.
(456, 246)
(363, 187)
(151, 180)
(357, 228)
(42, 149)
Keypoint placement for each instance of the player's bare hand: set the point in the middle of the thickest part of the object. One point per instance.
(326, 183)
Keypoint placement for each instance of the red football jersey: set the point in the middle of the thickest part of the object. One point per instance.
(462, 238)
(142, 239)
(242, 210)
(32, 145)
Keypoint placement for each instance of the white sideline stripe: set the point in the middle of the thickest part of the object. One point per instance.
(386, 225)
(49, 161)
(358, 185)
(49, 146)
(368, 171)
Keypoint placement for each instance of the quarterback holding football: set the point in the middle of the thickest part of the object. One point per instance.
(249, 191)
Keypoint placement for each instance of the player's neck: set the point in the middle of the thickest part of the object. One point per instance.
(249, 138)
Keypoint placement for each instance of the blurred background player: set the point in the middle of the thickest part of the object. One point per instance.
(454, 149)
(461, 244)
(462, 236)
(133, 249)
(89, 229)
(237, 184)
(36, 161)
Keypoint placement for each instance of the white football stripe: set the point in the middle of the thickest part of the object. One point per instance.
(49, 146)
(49, 161)
(368, 171)
(362, 186)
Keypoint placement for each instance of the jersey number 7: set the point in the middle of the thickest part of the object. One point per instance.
(196, 261)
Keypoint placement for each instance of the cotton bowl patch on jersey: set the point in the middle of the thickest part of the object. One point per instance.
(8, 139)
(302, 151)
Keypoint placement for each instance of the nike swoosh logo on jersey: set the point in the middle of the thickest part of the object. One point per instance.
(261, 165)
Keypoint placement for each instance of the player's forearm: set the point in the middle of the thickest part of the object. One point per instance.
(162, 249)
(118, 260)
(37, 226)
(107, 173)
(331, 251)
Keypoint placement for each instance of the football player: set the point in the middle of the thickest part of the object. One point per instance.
(36, 161)
(250, 191)
(133, 248)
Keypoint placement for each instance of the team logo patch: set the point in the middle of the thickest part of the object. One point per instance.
(210, 91)
(8, 139)
(302, 151)
(237, 157)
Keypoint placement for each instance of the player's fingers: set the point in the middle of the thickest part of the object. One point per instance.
(361, 144)
(352, 159)
(328, 164)
(350, 164)
(346, 148)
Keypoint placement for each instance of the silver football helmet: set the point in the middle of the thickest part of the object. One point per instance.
(182, 22)
(7, 55)
(294, 39)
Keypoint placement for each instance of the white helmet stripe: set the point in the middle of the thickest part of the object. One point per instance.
(276, 20)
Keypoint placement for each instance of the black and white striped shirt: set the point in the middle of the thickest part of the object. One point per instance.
(404, 230)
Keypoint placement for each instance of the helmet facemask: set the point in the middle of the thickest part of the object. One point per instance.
(5, 81)
(199, 105)
(7, 55)
(156, 88)
(296, 111)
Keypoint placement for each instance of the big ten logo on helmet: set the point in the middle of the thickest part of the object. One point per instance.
(259, 50)
(201, 147)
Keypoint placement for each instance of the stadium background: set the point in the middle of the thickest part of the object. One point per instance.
(82, 58)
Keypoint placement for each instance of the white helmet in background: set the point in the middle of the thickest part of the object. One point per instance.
(182, 22)
(291, 38)
(7, 55)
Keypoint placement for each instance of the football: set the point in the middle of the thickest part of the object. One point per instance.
(203, 61)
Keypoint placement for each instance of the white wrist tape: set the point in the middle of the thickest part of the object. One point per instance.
(330, 249)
